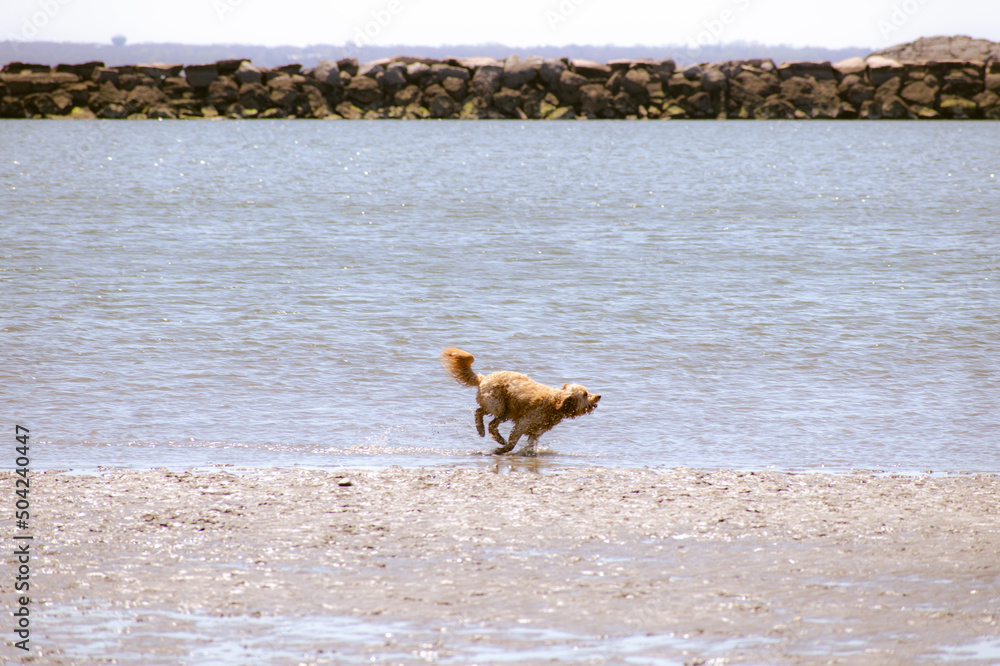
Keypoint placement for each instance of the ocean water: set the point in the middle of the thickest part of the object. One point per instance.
(784, 295)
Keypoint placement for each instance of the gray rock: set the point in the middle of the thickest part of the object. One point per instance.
(855, 65)
(568, 88)
(394, 78)
(363, 91)
(550, 71)
(486, 81)
(635, 84)
(508, 101)
(420, 74)
(519, 71)
(881, 70)
(820, 71)
(201, 76)
(594, 99)
(918, 92)
(326, 71)
(957, 47)
(589, 69)
(442, 72)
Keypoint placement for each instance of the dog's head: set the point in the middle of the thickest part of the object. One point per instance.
(576, 401)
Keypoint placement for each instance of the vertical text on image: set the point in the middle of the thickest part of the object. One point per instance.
(22, 538)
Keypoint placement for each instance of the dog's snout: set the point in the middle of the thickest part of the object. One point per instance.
(597, 398)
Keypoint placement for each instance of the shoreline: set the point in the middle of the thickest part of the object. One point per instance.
(462, 563)
(410, 88)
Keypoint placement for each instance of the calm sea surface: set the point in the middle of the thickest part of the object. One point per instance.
(788, 295)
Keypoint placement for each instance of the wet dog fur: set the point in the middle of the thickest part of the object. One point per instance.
(510, 396)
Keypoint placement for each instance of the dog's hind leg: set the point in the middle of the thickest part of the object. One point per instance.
(479, 422)
(505, 447)
(495, 431)
(515, 434)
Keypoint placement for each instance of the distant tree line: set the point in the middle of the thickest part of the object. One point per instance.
(121, 53)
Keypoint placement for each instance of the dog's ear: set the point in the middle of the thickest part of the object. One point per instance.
(567, 403)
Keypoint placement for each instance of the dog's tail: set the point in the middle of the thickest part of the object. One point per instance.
(459, 364)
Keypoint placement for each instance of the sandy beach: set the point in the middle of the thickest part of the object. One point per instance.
(513, 562)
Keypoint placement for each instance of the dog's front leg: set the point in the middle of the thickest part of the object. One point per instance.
(479, 422)
(500, 450)
(515, 434)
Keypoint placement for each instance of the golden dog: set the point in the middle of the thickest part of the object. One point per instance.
(510, 396)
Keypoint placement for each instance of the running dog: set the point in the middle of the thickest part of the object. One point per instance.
(510, 396)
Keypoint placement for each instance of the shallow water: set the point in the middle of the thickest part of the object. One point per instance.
(797, 296)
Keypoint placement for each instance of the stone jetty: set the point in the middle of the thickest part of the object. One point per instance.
(870, 88)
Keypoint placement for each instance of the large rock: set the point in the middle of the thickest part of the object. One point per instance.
(327, 72)
(364, 92)
(12, 107)
(749, 89)
(158, 71)
(129, 81)
(254, 96)
(444, 71)
(816, 99)
(28, 82)
(775, 108)
(48, 104)
(455, 87)
(882, 69)
(507, 101)
(475, 107)
(918, 92)
(550, 71)
(394, 79)
(568, 87)
(407, 96)
(700, 105)
(963, 80)
(472, 64)
(681, 85)
(143, 98)
(518, 71)
(26, 68)
(952, 106)
(223, 92)
(594, 100)
(854, 65)
(439, 102)
(486, 81)
(420, 74)
(636, 84)
(957, 47)
(894, 108)
(989, 104)
(820, 71)
(201, 76)
(589, 69)
(855, 90)
(107, 95)
(85, 70)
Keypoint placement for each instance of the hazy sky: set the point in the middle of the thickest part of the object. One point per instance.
(832, 23)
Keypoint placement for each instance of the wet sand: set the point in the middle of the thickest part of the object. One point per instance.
(508, 565)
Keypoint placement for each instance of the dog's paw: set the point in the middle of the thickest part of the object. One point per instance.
(481, 430)
(500, 450)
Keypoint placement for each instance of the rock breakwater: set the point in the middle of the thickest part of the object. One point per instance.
(516, 87)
